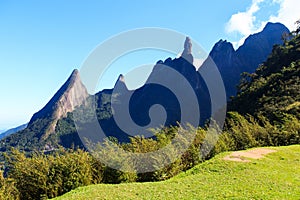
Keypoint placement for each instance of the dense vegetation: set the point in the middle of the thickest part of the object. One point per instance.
(52, 175)
(264, 113)
(273, 90)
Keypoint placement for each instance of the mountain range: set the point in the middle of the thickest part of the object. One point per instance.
(54, 124)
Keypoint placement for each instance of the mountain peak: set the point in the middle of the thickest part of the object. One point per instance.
(223, 45)
(74, 77)
(267, 37)
(74, 73)
(275, 26)
(255, 50)
(222, 49)
(120, 84)
(71, 94)
(121, 78)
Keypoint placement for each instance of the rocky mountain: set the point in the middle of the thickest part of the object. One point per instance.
(73, 93)
(255, 50)
(40, 132)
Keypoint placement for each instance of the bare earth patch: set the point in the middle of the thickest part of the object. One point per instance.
(241, 156)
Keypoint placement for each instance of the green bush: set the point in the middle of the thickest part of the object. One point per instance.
(8, 191)
(47, 176)
(241, 131)
(108, 152)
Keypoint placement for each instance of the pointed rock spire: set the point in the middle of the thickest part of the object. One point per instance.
(71, 94)
(187, 52)
(187, 46)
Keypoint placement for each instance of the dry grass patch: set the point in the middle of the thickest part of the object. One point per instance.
(241, 156)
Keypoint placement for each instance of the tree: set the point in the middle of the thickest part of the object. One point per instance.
(297, 31)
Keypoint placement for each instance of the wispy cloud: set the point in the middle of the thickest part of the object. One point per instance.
(246, 23)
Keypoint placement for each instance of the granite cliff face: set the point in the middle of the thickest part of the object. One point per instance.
(73, 93)
(255, 50)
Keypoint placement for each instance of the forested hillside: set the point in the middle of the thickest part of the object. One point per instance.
(273, 90)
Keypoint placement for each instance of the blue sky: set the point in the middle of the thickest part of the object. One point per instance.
(41, 42)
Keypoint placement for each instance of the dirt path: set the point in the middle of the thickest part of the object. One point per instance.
(241, 156)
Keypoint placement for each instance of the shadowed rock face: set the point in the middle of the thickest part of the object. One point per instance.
(73, 93)
(246, 58)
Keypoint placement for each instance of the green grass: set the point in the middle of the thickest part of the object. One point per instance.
(277, 176)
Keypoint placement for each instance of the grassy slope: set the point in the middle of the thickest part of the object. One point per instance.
(277, 176)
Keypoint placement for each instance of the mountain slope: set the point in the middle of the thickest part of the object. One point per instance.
(273, 90)
(246, 58)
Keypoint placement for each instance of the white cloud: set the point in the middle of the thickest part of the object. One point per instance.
(243, 22)
(246, 23)
(288, 13)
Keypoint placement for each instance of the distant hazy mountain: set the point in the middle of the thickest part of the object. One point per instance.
(246, 58)
(12, 131)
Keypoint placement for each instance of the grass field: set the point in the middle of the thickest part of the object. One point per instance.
(276, 176)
